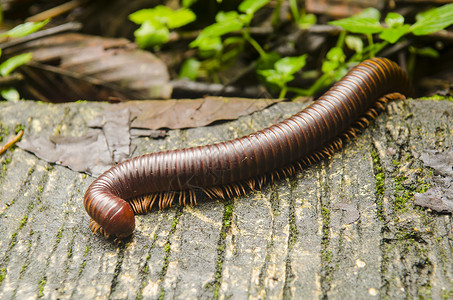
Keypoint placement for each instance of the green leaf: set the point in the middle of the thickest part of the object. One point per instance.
(10, 94)
(268, 61)
(227, 16)
(427, 51)
(392, 35)
(305, 21)
(336, 54)
(209, 38)
(219, 29)
(275, 77)
(141, 16)
(181, 17)
(359, 25)
(355, 43)
(151, 34)
(25, 29)
(290, 65)
(393, 20)
(190, 69)
(334, 59)
(367, 22)
(12, 63)
(208, 43)
(433, 20)
(251, 6)
(369, 12)
(164, 15)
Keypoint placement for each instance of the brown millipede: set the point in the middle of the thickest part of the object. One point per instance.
(230, 168)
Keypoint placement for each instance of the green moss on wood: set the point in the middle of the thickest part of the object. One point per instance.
(42, 284)
(2, 274)
(226, 225)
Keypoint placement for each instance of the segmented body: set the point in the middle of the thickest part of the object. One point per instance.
(228, 168)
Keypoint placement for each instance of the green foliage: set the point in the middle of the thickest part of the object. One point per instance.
(156, 24)
(367, 22)
(393, 29)
(220, 43)
(190, 69)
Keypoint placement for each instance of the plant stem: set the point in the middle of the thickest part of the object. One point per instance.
(276, 13)
(294, 10)
(283, 91)
(254, 43)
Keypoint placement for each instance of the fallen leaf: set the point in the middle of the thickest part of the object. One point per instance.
(115, 126)
(186, 113)
(72, 66)
(88, 154)
(107, 144)
(440, 196)
(441, 162)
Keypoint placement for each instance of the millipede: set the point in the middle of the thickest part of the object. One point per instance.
(232, 168)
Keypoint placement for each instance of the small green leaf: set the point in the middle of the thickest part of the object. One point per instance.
(392, 35)
(219, 29)
(275, 77)
(359, 25)
(367, 22)
(393, 20)
(25, 29)
(290, 65)
(10, 94)
(305, 21)
(151, 34)
(12, 63)
(181, 17)
(355, 43)
(190, 69)
(164, 15)
(433, 20)
(208, 43)
(251, 6)
(158, 13)
(336, 54)
(334, 59)
(227, 16)
(427, 51)
(209, 38)
(369, 12)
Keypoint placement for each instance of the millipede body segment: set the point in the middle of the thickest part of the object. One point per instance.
(230, 168)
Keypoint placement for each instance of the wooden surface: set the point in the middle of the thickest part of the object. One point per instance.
(343, 228)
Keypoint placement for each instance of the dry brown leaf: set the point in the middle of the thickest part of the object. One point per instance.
(440, 196)
(72, 66)
(185, 113)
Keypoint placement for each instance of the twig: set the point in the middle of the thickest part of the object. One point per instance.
(56, 11)
(71, 26)
(11, 142)
(12, 80)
